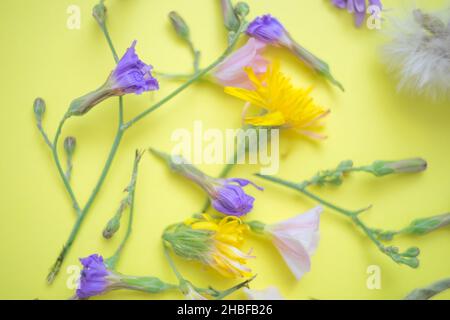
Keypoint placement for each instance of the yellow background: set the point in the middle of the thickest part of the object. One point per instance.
(40, 56)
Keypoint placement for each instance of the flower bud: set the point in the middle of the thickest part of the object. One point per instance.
(179, 25)
(242, 9)
(411, 252)
(231, 21)
(427, 225)
(69, 145)
(39, 109)
(410, 262)
(99, 13)
(382, 168)
(111, 227)
(189, 243)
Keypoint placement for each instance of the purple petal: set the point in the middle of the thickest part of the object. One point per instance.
(342, 4)
(132, 75)
(232, 200)
(359, 18)
(244, 182)
(93, 277)
(266, 29)
(360, 6)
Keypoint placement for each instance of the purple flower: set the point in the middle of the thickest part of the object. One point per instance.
(357, 7)
(95, 277)
(131, 75)
(226, 195)
(229, 197)
(269, 30)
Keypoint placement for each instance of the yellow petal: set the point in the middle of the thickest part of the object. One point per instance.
(273, 119)
(204, 225)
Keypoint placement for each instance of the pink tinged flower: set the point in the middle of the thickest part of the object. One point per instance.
(230, 73)
(271, 293)
(297, 239)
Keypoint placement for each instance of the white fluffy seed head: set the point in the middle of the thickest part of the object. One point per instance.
(419, 53)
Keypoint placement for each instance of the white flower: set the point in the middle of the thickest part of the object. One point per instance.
(297, 239)
(419, 53)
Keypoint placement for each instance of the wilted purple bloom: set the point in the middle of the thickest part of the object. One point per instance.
(95, 277)
(357, 7)
(226, 195)
(131, 75)
(229, 197)
(269, 30)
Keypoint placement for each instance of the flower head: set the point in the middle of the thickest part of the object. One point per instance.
(296, 239)
(215, 243)
(231, 21)
(98, 278)
(231, 71)
(39, 109)
(95, 278)
(418, 53)
(131, 75)
(227, 195)
(269, 30)
(286, 106)
(357, 7)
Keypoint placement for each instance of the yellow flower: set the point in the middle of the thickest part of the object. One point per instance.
(285, 106)
(227, 236)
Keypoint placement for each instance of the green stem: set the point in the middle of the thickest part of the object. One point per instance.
(196, 56)
(44, 135)
(172, 264)
(429, 291)
(61, 172)
(110, 43)
(115, 258)
(121, 130)
(348, 213)
(343, 211)
(82, 214)
(57, 266)
(189, 82)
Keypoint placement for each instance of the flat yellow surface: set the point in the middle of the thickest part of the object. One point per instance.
(40, 56)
